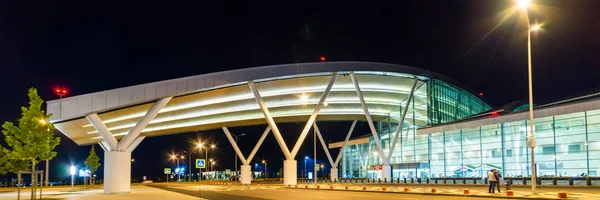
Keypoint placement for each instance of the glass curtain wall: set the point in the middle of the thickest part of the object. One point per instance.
(567, 145)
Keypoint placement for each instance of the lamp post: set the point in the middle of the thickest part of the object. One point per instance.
(60, 92)
(236, 158)
(524, 4)
(265, 162)
(72, 170)
(176, 159)
(305, 171)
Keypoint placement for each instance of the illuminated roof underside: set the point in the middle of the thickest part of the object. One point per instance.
(289, 100)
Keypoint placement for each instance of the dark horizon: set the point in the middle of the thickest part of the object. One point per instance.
(95, 46)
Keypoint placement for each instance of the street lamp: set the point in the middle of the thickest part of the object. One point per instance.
(265, 162)
(305, 171)
(175, 159)
(72, 170)
(524, 4)
(236, 158)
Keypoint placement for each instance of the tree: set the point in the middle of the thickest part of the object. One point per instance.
(9, 164)
(92, 162)
(32, 139)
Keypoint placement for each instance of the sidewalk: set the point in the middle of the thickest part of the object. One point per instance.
(137, 192)
(456, 190)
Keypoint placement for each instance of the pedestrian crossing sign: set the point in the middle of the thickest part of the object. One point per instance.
(200, 164)
(167, 170)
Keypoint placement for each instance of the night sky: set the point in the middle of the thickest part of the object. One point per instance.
(94, 46)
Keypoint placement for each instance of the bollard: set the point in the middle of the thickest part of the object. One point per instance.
(435, 180)
(454, 181)
(433, 190)
(346, 188)
(554, 181)
(364, 188)
(398, 180)
(306, 186)
(296, 186)
(404, 180)
(407, 189)
(570, 180)
(466, 191)
(419, 180)
(289, 185)
(362, 180)
(485, 181)
(384, 189)
(412, 180)
(385, 180)
(510, 193)
(562, 195)
(464, 180)
(331, 187)
(474, 181)
(444, 180)
(588, 180)
(318, 187)
(427, 180)
(379, 180)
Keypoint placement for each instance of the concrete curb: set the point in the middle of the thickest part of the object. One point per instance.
(439, 194)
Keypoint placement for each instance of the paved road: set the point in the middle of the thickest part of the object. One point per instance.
(202, 193)
(243, 192)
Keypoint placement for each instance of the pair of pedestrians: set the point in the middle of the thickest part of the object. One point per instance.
(494, 179)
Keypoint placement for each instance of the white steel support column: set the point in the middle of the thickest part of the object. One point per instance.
(107, 136)
(117, 155)
(270, 121)
(325, 149)
(142, 123)
(399, 128)
(102, 146)
(313, 116)
(386, 175)
(117, 172)
(135, 143)
(368, 116)
(246, 173)
(334, 169)
(289, 165)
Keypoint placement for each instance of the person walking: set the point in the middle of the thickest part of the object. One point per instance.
(498, 179)
(492, 180)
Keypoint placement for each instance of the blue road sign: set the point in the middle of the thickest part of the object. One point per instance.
(200, 164)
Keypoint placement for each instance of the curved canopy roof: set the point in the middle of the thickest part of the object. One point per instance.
(223, 99)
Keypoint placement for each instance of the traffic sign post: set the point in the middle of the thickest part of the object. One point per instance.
(167, 171)
(200, 164)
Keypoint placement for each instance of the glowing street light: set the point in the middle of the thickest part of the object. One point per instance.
(213, 146)
(304, 97)
(72, 170)
(523, 4)
(265, 162)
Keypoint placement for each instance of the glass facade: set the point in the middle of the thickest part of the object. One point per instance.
(567, 145)
(449, 103)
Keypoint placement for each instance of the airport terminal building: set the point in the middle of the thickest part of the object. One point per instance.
(446, 130)
(567, 133)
